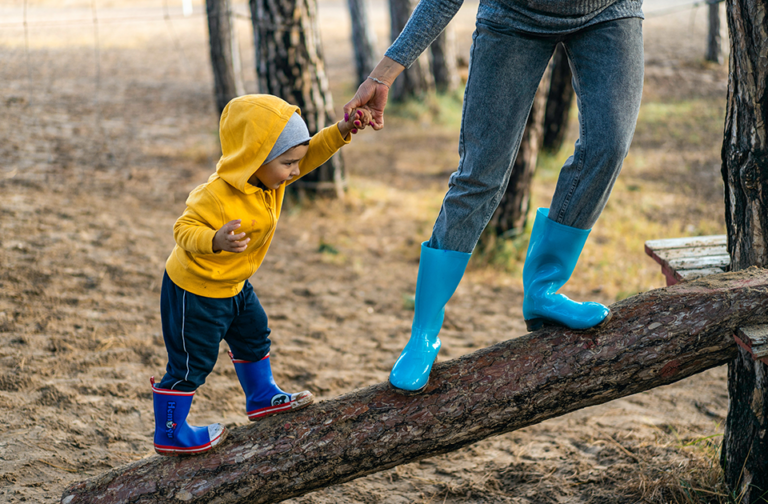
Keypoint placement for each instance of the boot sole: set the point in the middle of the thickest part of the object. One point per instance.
(406, 392)
(537, 323)
(301, 402)
(186, 453)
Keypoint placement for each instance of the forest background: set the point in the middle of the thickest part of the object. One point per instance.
(101, 143)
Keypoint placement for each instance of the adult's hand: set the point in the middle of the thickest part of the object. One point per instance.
(373, 95)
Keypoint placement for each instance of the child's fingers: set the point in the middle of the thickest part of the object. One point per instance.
(231, 225)
(235, 237)
(239, 246)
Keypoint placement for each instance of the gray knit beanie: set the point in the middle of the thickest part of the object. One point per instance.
(294, 133)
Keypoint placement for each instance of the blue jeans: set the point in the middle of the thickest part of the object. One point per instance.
(505, 69)
(193, 327)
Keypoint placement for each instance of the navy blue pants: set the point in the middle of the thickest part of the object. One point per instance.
(193, 327)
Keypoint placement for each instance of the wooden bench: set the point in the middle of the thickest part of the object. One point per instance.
(684, 259)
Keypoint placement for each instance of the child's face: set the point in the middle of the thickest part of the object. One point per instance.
(281, 169)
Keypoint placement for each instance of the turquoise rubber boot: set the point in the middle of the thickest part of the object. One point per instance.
(440, 272)
(553, 252)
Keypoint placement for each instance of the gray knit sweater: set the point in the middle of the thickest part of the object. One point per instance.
(534, 16)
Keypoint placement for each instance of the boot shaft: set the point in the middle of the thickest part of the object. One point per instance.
(553, 251)
(171, 409)
(440, 272)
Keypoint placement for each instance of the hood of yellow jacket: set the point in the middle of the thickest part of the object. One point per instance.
(249, 127)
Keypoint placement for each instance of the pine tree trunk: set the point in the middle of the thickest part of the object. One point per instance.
(363, 38)
(510, 216)
(653, 339)
(559, 102)
(445, 68)
(714, 52)
(744, 455)
(225, 56)
(290, 65)
(416, 80)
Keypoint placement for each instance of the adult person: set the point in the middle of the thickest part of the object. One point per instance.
(511, 47)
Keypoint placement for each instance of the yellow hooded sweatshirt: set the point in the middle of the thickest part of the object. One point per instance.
(249, 128)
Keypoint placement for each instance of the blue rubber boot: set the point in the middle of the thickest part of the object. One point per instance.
(440, 272)
(173, 435)
(553, 252)
(262, 396)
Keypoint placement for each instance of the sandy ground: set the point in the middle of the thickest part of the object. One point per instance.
(95, 164)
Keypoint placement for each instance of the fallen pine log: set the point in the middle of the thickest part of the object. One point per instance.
(653, 339)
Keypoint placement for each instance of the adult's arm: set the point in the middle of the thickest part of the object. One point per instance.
(428, 20)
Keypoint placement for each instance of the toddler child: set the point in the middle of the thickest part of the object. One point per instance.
(221, 240)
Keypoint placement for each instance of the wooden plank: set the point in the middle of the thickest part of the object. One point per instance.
(679, 253)
(687, 242)
(756, 337)
(684, 259)
(721, 262)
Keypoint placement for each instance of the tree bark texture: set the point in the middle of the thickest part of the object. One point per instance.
(291, 66)
(744, 456)
(445, 66)
(363, 39)
(417, 79)
(559, 100)
(653, 339)
(714, 49)
(225, 55)
(509, 218)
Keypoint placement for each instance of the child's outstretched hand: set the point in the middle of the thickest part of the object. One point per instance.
(356, 121)
(226, 239)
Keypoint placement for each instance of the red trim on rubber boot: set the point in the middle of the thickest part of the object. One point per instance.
(168, 391)
(241, 361)
(295, 403)
(176, 450)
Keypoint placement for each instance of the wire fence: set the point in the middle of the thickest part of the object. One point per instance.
(121, 79)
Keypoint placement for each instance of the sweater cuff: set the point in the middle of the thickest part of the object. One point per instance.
(334, 139)
(205, 242)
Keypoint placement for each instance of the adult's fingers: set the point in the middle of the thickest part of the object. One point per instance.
(364, 94)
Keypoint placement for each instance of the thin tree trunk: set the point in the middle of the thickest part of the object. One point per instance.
(510, 216)
(225, 56)
(290, 65)
(744, 455)
(714, 51)
(363, 38)
(416, 80)
(445, 68)
(653, 339)
(559, 102)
